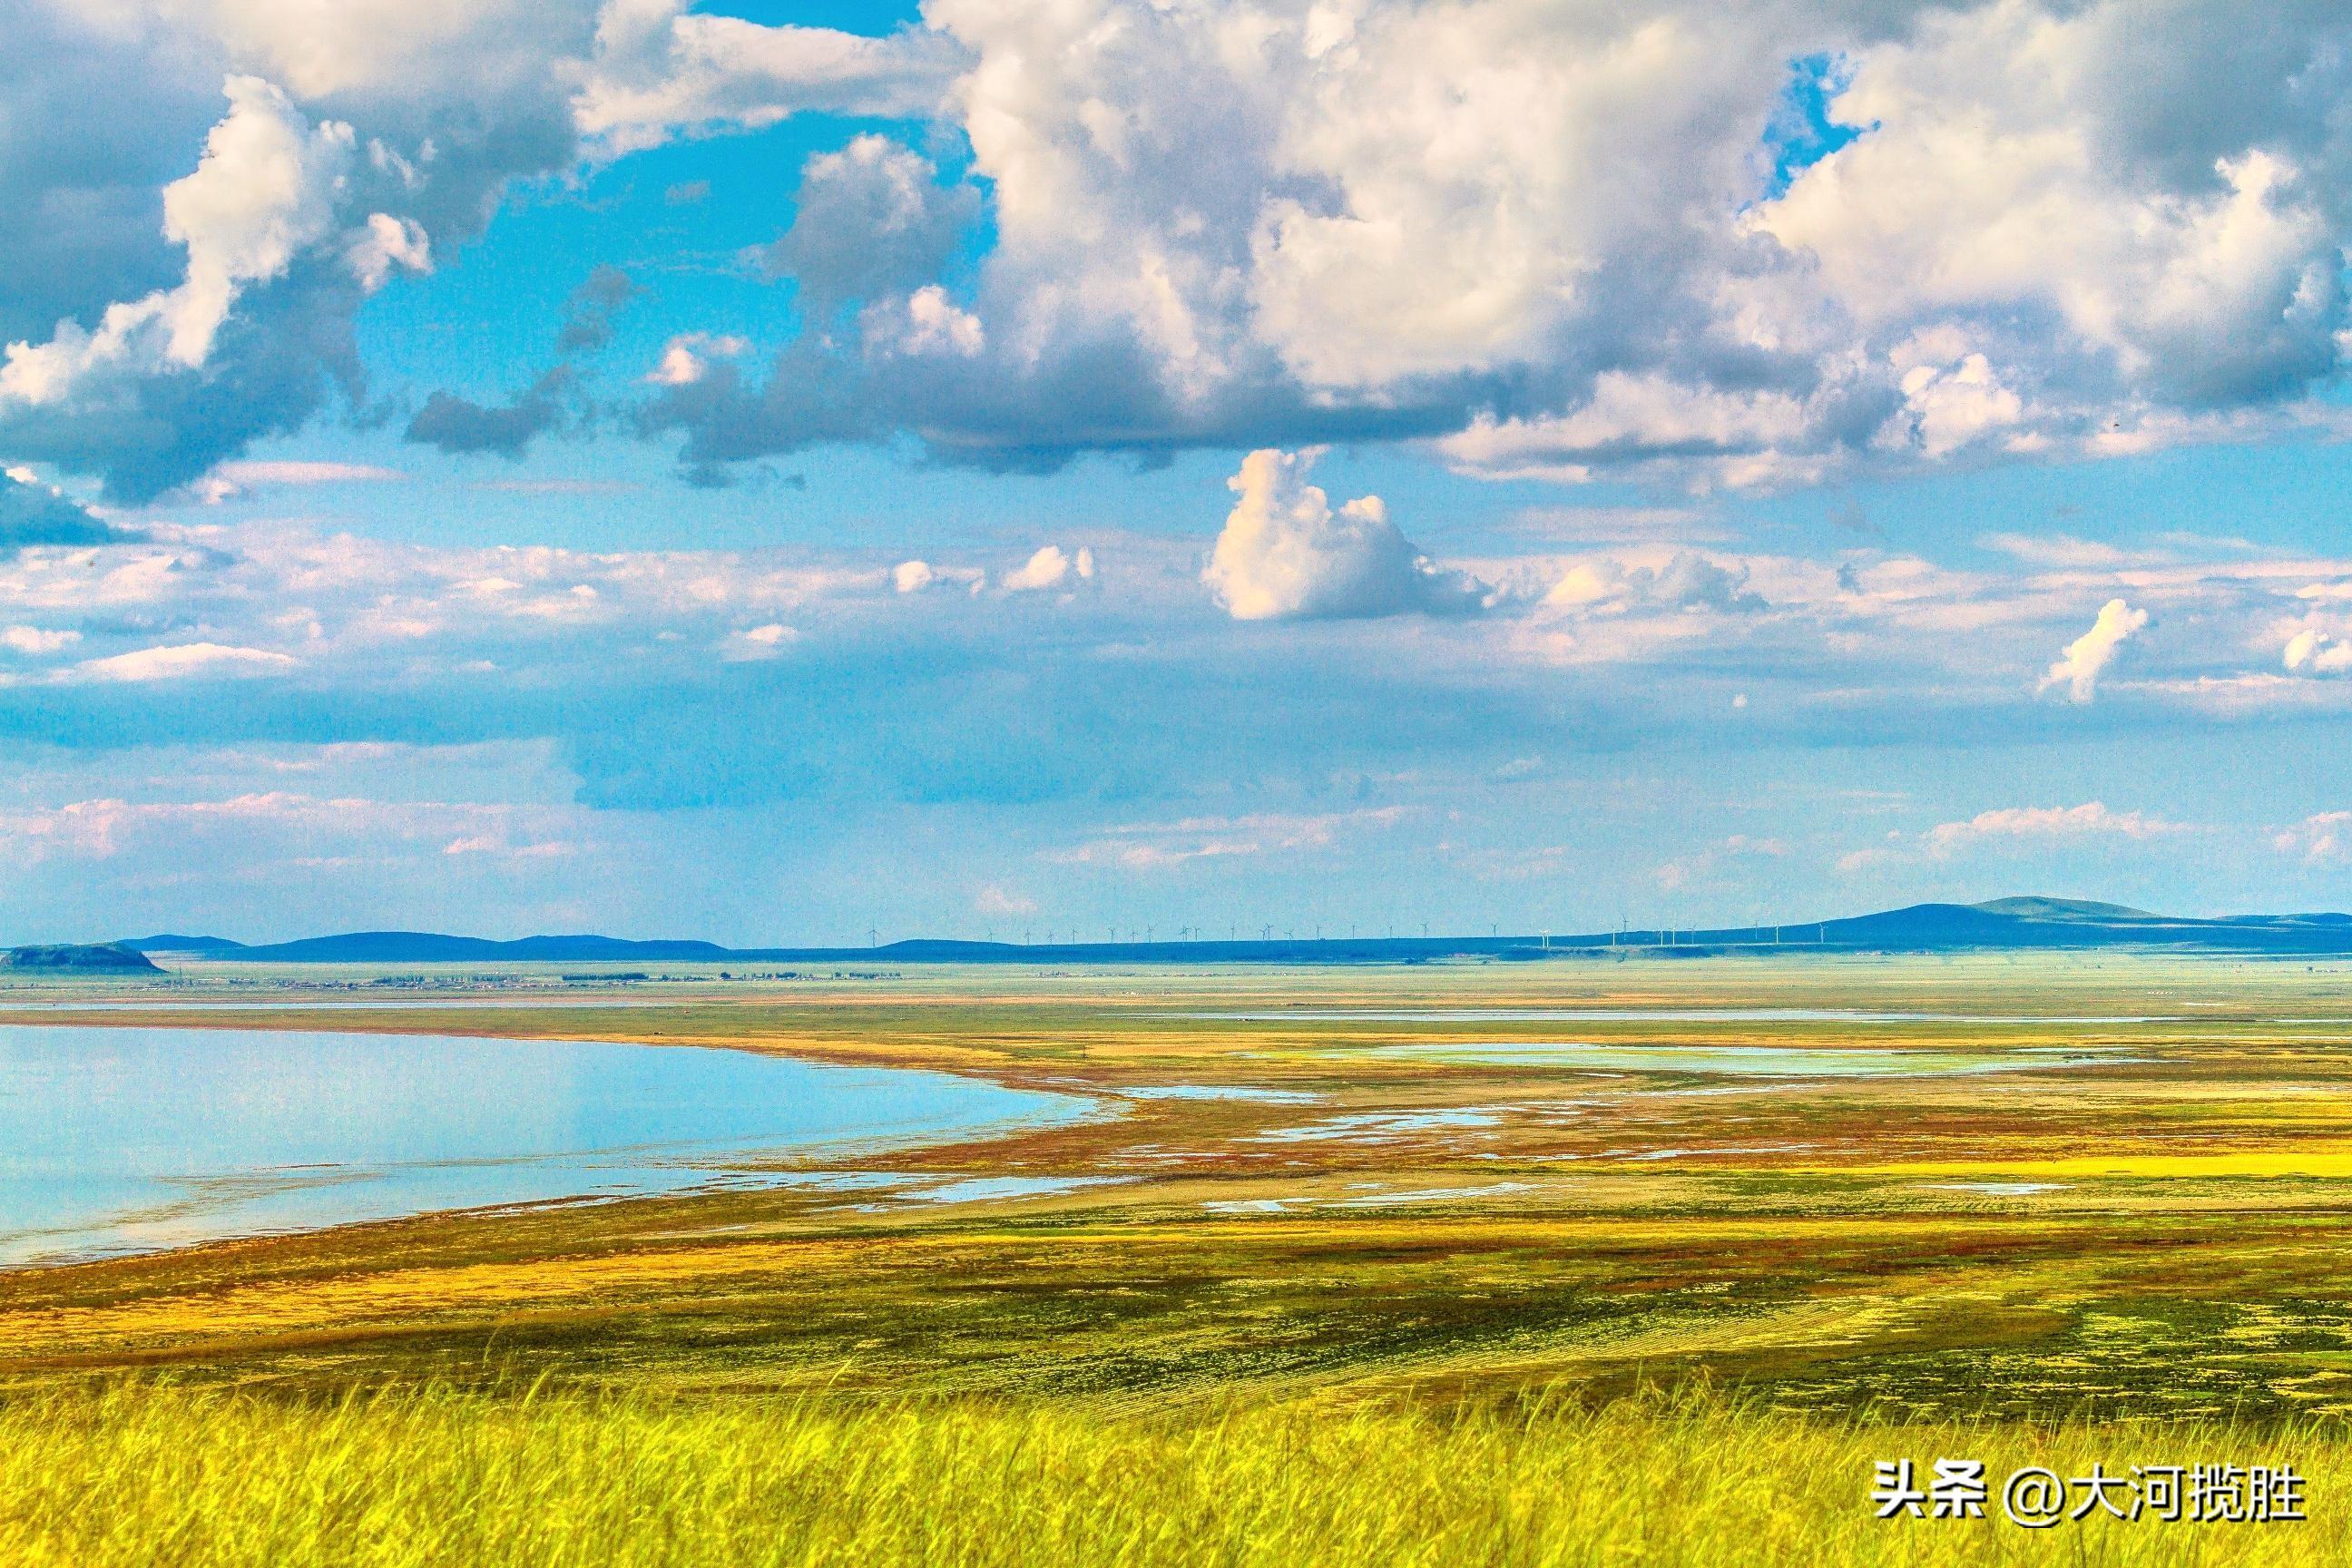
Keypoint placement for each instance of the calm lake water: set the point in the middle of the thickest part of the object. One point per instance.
(117, 1141)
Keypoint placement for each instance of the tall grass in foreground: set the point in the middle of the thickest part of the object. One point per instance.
(178, 1479)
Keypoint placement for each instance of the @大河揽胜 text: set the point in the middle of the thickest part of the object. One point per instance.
(2037, 1498)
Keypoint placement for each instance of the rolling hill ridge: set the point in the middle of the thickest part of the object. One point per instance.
(2019, 923)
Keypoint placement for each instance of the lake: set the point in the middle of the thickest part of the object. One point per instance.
(124, 1140)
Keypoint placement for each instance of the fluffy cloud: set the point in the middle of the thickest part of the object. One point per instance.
(37, 640)
(196, 272)
(2090, 819)
(685, 358)
(2089, 655)
(1050, 567)
(2013, 829)
(1644, 420)
(1561, 242)
(265, 190)
(1951, 397)
(1049, 562)
(2317, 652)
(761, 642)
(2049, 165)
(659, 71)
(366, 51)
(1284, 554)
(1566, 242)
(1686, 581)
(183, 660)
(385, 245)
(924, 322)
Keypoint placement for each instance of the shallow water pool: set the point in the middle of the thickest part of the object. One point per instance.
(126, 1139)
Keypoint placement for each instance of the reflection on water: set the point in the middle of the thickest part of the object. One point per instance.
(123, 1139)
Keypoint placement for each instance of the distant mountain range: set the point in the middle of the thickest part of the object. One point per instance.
(2002, 924)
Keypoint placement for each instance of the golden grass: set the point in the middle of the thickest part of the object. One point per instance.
(149, 1474)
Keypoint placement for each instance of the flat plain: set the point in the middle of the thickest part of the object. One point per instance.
(1831, 1203)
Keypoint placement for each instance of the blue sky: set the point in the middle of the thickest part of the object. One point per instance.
(770, 473)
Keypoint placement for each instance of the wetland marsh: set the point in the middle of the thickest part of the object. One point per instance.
(2118, 1191)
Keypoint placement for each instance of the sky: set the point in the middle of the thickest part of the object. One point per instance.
(1051, 468)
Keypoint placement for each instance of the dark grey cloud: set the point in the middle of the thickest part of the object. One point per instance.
(459, 426)
(32, 513)
(869, 220)
(84, 190)
(276, 362)
(1691, 582)
(588, 318)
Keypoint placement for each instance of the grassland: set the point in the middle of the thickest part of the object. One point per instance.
(141, 1476)
(1357, 1282)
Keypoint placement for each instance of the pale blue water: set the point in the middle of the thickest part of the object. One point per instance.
(125, 1139)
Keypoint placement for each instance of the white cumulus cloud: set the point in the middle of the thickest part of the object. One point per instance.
(185, 659)
(264, 189)
(38, 640)
(2093, 819)
(2317, 652)
(1050, 567)
(660, 71)
(1284, 554)
(685, 358)
(2089, 655)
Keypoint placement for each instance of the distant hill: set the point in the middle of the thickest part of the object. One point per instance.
(428, 947)
(100, 958)
(2019, 923)
(171, 944)
(2042, 923)
(2041, 909)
